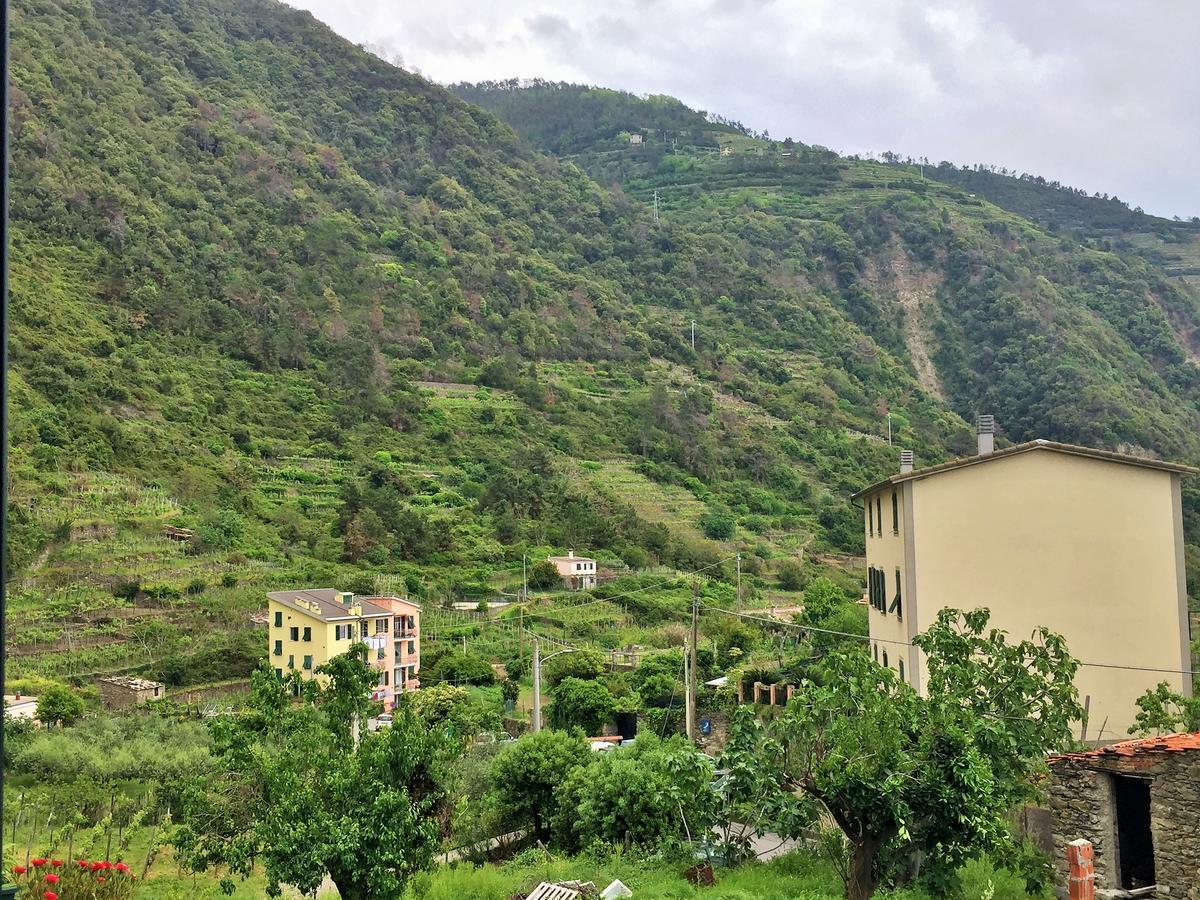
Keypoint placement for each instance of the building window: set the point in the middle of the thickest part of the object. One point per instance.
(278, 619)
(308, 663)
(294, 633)
(381, 626)
(385, 679)
(279, 674)
(885, 662)
(879, 512)
(412, 648)
(896, 606)
(901, 662)
(870, 518)
(279, 648)
(362, 628)
(895, 514)
(307, 633)
(875, 652)
(291, 662)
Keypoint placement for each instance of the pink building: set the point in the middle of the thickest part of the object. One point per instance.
(405, 655)
(576, 572)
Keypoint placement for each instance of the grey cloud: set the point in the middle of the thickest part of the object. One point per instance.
(1100, 94)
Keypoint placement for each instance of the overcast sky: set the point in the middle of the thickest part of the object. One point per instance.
(1100, 94)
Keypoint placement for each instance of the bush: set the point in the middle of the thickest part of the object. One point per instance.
(791, 575)
(583, 664)
(527, 772)
(649, 795)
(196, 586)
(456, 667)
(587, 705)
(59, 705)
(542, 575)
(229, 580)
(717, 525)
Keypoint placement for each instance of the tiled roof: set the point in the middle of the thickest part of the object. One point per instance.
(1054, 446)
(326, 601)
(1167, 743)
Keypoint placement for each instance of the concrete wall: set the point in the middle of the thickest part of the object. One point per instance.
(1087, 548)
(1081, 806)
(888, 551)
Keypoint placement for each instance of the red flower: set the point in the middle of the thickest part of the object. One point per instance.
(56, 862)
(37, 862)
(83, 863)
(50, 895)
(101, 878)
(51, 879)
(121, 867)
(97, 866)
(20, 870)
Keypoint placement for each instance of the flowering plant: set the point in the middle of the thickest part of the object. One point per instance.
(55, 879)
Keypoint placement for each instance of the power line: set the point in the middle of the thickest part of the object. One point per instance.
(868, 638)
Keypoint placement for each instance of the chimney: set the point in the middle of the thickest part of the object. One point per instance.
(906, 461)
(987, 435)
(570, 554)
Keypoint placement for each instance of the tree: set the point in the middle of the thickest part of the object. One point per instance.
(791, 575)
(59, 705)
(527, 772)
(584, 664)
(641, 796)
(1164, 711)
(292, 791)
(587, 705)
(449, 709)
(929, 778)
(543, 575)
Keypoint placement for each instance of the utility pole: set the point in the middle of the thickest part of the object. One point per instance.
(537, 686)
(693, 335)
(656, 206)
(695, 637)
(689, 715)
(739, 582)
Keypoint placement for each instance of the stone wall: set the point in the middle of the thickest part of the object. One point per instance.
(1082, 806)
(1175, 824)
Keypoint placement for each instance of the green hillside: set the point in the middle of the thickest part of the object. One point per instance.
(343, 326)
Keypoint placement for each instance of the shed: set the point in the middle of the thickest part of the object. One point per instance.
(1138, 803)
(125, 691)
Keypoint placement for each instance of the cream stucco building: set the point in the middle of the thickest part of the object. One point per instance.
(1084, 542)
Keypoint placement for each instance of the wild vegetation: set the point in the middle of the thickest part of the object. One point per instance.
(285, 314)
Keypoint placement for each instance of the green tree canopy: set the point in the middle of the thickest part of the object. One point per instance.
(1163, 711)
(58, 705)
(587, 705)
(292, 791)
(904, 775)
(527, 772)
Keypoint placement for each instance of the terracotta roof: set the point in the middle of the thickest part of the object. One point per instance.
(1167, 743)
(327, 603)
(1028, 446)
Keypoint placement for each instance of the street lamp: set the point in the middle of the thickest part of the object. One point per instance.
(537, 680)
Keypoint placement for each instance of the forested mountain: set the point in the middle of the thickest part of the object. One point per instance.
(337, 322)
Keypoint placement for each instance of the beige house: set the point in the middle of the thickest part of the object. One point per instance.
(1085, 542)
(576, 572)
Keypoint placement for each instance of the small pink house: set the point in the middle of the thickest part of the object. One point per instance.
(576, 572)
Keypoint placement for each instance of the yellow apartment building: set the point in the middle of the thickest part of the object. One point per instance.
(307, 628)
(1085, 542)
